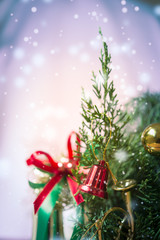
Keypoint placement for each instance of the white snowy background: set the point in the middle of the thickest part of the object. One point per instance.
(48, 49)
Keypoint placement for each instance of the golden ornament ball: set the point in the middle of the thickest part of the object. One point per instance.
(151, 138)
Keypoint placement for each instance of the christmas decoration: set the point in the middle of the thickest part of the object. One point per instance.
(96, 181)
(106, 120)
(95, 184)
(99, 223)
(46, 200)
(119, 216)
(64, 204)
(143, 167)
(151, 138)
(125, 186)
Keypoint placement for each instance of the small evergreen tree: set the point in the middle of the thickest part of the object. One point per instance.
(125, 155)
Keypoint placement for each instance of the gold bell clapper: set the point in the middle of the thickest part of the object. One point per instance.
(125, 186)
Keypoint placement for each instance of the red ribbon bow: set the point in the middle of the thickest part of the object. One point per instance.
(59, 170)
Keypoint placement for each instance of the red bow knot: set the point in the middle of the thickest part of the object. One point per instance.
(59, 170)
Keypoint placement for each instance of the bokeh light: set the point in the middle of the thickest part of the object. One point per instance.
(48, 49)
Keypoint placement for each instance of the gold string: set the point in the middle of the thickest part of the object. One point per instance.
(100, 221)
(128, 204)
(110, 132)
(104, 152)
(92, 142)
(120, 227)
(99, 228)
(112, 175)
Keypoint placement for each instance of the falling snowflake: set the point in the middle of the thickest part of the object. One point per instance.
(94, 14)
(84, 57)
(157, 10)
(18, 53)
(27, 69)
(75, 49)
(124, 10)
(123, 2)
(105, 20)
(35, 44)
(26, 39)
(36, 30)
(38, 60)
(33, 9)
(19, 82)
(95, 44)
(5, 167)
(52, 51)
(47, 1)
(133, 51)
(136, 8)
(144, 77)
(121, 155)
(139, 87)
(76, 16)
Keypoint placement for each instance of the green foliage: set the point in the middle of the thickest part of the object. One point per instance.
(127, 127)
(98, 116)
(108, 108)
(146, 111)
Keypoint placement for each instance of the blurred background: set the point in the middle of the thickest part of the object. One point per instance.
(48, 50)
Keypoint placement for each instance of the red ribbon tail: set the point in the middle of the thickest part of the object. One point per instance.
(46, 190)
(74, 187)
